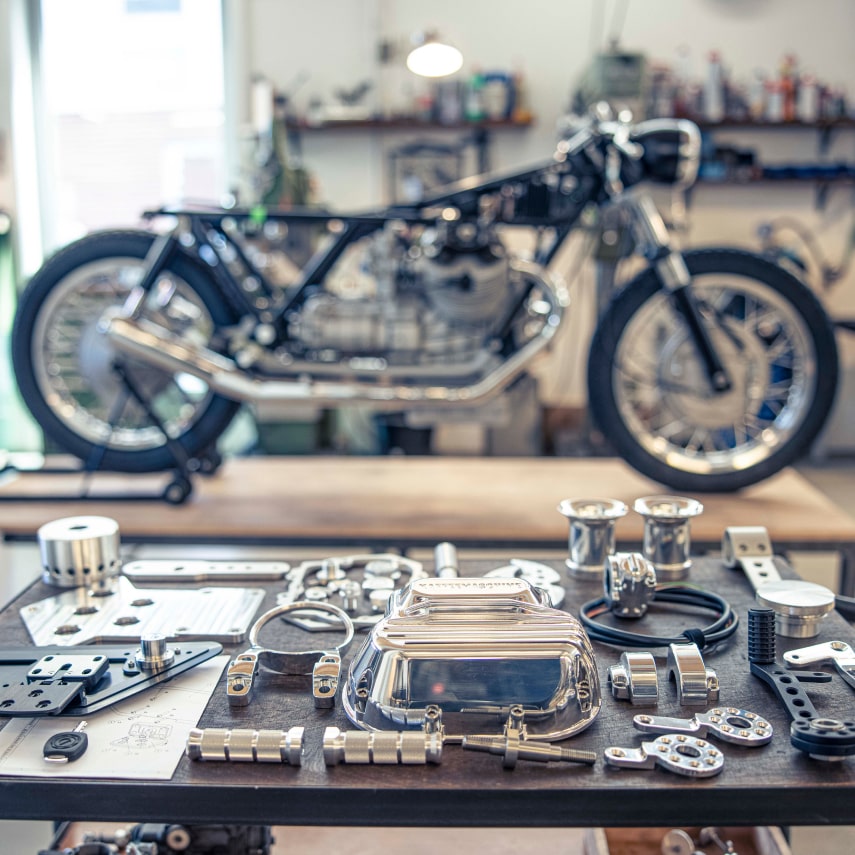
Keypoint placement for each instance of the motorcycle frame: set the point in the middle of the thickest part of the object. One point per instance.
(198, 233)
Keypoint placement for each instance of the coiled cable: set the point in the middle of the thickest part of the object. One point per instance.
(682, 595)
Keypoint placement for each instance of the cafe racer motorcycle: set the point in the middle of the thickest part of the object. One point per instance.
(708, 371)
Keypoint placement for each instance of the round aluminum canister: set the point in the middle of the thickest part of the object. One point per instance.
(77, 551)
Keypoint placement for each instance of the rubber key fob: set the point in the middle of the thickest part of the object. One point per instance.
(65, 747)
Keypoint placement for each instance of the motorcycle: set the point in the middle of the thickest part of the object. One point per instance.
(710, 370)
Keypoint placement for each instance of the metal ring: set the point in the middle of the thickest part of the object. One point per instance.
(302, 662)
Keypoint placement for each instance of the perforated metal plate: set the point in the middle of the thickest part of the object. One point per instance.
(124, 613)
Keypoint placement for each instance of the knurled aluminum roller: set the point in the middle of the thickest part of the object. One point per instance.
(77, 551)
(246, 746)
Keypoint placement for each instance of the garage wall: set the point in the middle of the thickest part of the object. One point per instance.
(551, 43)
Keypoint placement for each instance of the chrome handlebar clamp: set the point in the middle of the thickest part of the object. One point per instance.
(243, 669)
(634, 679)
(697, 685)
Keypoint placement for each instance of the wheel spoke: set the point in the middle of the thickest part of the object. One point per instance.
(659, 382)
(73, 364)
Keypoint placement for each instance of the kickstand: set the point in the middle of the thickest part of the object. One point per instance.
(176, 491)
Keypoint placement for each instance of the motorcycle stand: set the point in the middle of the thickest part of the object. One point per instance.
(178, 488)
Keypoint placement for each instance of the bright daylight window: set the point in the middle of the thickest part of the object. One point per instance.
(133, 110)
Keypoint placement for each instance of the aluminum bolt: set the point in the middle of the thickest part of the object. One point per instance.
(527, 750)
(154, 653)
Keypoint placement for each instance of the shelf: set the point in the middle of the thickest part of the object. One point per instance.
(752, 125)
(477, 133)
(737, 182)
(403, 124)
(822, 186)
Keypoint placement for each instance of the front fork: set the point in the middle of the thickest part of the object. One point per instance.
(653, 236)
(156, 259)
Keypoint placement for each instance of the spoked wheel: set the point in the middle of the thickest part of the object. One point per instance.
(80, 389)
(650, 394)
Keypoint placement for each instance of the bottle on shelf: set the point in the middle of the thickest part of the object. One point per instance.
(521, 109)
(787, 83)
(807, 103)
(714, 89)
(757, 96)
(473, 105)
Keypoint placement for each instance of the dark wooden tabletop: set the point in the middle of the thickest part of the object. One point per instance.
(774, 784)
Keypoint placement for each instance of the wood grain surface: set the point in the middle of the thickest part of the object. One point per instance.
(773, 785)
(420, 500)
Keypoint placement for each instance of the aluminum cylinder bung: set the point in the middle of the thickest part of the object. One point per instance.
(79, 551)
(475, 647)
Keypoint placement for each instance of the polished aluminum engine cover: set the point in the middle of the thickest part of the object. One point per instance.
(474, 647)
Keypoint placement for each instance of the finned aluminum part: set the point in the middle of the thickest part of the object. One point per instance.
(476, 647)
(667, 538)
(683, 755)
(697, 685)
(246, 746)
(634, 679)
(592, 532)
(78, 551)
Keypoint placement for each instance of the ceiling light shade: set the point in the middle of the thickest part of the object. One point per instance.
(432, 58)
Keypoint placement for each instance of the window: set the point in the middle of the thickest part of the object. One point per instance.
(132, 110)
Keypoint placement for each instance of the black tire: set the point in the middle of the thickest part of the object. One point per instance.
(649, 396)
(70, 386)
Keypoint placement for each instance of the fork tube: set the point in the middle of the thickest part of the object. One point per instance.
(153, 263)
(156, 259)
(670, 266)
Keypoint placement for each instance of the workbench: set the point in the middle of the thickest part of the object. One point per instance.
(771, 785)
(382, 502)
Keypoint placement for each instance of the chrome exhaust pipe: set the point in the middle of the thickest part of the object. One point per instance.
(157, 346)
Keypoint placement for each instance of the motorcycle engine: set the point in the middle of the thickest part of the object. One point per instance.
(435, 296)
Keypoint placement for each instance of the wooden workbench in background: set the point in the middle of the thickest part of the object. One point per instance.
(419, 501)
